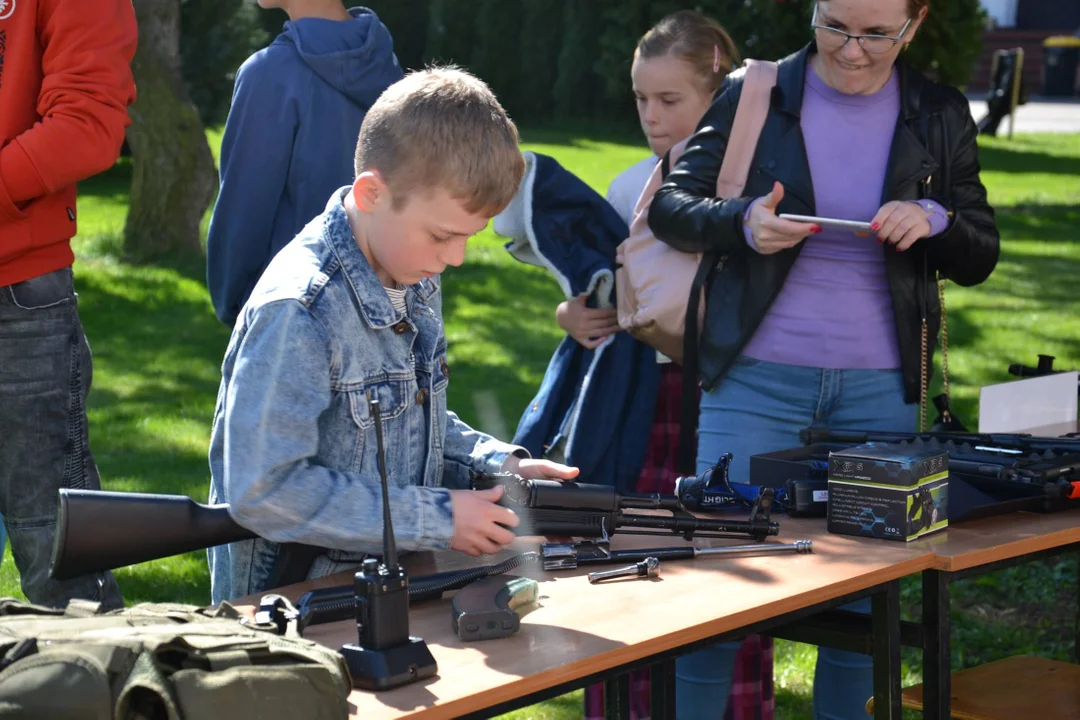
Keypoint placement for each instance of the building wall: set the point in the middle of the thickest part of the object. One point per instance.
(1059, 15)
(1062, 15)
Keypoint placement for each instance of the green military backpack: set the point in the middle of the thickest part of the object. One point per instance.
(164, 662)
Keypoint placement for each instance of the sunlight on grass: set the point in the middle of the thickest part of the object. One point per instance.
(564, 707)
(1031, 169)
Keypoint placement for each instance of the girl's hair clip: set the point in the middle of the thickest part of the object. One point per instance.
(716, 58)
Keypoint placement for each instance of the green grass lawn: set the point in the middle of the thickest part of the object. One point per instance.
(158, 349)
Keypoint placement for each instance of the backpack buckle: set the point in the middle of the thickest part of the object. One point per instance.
(277, 611)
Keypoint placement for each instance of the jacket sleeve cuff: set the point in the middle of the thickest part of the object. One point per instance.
(936, 213)
(490, 456)
(436, 519)
(747, 233)
(488, 459)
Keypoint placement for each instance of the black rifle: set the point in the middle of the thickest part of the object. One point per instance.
(1002, 443)
(570, 555)
(100, 530)
(1052, 463)
(570, 509)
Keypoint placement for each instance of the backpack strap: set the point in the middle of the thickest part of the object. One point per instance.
(746, 128)
(750, 116)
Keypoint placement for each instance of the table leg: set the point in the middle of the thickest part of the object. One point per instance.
(937, 653)
(885, 612)
(662, 690)
(617, 697)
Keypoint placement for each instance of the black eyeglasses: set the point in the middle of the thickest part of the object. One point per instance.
(829, 38)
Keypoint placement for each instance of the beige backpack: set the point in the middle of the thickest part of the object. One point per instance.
(656, 284)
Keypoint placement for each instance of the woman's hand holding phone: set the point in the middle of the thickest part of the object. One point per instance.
(771, 233)
(901, 223)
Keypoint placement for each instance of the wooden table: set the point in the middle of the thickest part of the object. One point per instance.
(975, 548)
(583, 633)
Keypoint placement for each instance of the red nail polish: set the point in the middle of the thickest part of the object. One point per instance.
(875, 226)
(815, 228)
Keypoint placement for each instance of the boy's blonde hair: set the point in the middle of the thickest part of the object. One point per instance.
(442, 128)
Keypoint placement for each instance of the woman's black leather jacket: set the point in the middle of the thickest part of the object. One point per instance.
(933, 154)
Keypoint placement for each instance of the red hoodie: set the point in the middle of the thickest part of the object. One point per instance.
(65, 84)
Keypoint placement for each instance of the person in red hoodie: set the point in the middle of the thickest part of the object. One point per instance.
(65, 85)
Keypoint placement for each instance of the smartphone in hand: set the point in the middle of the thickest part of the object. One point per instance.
(860, 228)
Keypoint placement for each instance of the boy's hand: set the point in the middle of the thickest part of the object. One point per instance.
(480, 526)
(539, 469)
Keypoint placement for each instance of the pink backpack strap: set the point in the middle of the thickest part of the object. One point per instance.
(746, 129)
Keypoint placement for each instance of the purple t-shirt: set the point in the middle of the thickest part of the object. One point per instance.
(835, 310)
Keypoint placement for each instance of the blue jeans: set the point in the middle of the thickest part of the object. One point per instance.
(760, 407)
(45, 372)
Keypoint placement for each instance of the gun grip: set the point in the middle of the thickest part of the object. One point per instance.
(492, 607)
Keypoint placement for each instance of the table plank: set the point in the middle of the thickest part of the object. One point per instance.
(1016, 688)
(980, 542)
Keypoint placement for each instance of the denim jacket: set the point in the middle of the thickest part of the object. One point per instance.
(594, 408)
(293, 446)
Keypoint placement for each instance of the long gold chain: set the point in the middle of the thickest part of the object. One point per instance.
(944, 340)
(923, 378)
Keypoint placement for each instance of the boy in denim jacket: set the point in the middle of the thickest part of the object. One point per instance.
(351, 308)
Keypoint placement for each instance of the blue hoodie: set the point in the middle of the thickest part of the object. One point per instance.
(289, 142)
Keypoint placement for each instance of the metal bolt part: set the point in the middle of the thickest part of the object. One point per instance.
(649, 567)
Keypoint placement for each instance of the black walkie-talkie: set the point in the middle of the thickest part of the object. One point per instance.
(385, 656)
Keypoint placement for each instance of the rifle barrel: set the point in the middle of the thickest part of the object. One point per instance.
(680, 524)
(799, 547)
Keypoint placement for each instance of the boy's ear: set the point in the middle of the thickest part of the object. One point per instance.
(369, 191)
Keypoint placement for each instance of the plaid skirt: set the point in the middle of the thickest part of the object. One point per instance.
(752, 685)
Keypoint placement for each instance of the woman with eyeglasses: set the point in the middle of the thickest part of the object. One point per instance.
(813, 325)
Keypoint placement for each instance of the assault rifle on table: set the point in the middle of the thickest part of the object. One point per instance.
(101, 530)
(1052, 463)
(570, 509)
(1002, 444)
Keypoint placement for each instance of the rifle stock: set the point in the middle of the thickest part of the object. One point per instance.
(99, 530)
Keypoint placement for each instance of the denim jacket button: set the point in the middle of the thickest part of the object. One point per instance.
(401, 327)
(421, 396)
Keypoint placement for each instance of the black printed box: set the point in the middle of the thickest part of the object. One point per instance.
(889, 491)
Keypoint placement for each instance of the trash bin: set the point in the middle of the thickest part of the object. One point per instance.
(1061, 54)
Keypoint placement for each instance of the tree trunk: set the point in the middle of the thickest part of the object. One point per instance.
(173, 172)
